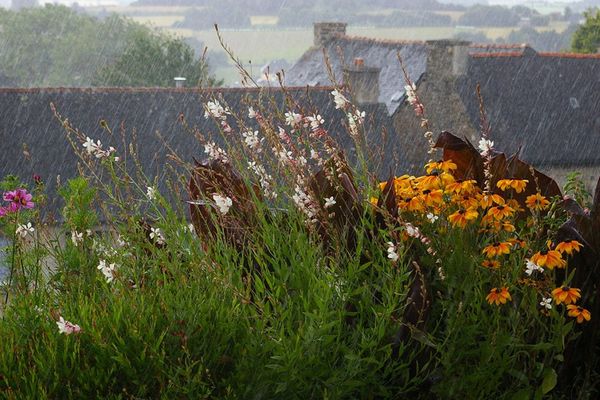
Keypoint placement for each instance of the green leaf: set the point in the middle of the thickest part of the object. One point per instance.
(550, 380)
(523, 394)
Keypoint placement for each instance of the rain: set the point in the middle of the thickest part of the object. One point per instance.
(125, 108)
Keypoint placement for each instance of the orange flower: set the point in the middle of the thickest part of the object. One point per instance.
(497, 249)
(516, 242)
(566, 295)
(487, 200)
(517, 184)
(461, 187)
(506, 227)
(569, 246)
(432, 197)
(500, 212)
(431, 181)
(441, 165)
(373, 200)
(498, 296)
(549, 259)
(579, 312)
(537, 202)
(492, 264)
(466, 201)
(462, 217)
(514, 204)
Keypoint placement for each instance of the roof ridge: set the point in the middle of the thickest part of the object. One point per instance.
(491, 55)
(568, 55)
(498, 45)
(102, 89)
(379, 41)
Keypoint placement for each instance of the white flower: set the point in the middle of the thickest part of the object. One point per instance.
(157, 236)
(339, 99)
(76, 237)
(67, 327)
(314, 154)
(251, 113)
(354, 120)
(252, 141)
(96, 150)
(292, 119)
(546, 303)
(215, 109)
(411, 93)
(151, 193)
(191, 228)
(265, 179)
(90, 146)
(485, 146)
(329, 202)
(223, 203)
(121, 242)
(391, 250)
(432, 217)
(304, 202)
(283, 156)
(412, 230)
(107, 270)
(216, 153)
(530, 267)
(24, 230)
(315, 122)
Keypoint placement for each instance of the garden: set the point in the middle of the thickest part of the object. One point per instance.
(275, 266)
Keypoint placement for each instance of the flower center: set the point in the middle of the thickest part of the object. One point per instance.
(566, 288)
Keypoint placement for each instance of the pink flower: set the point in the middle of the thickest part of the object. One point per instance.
(18, 199)
(67, 327)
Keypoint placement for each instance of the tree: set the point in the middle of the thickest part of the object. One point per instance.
(587, 38)
(56, 46)
(154, 61)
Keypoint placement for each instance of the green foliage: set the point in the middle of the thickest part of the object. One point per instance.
(56, 46)
(587, 38)
(574, 186)
(79, 209)
(319, 297)
(153, 61)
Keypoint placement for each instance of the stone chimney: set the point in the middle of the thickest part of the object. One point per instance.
(363, 82)
(326, 31)
(179, 81)
(447, 58)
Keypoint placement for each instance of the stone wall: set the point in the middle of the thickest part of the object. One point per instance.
(326, 31)
(437, 89)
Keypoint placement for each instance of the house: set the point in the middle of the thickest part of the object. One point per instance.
(35, 142)
(546, 106)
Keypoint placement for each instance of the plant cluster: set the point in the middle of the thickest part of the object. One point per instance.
(296, 273)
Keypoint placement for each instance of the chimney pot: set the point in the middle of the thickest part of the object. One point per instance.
(179, 81)
(363, 82)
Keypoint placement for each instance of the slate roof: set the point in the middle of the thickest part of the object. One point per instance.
(547, 104)
(28, 126)
(310, 69)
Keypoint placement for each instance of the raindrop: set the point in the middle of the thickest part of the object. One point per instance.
(574, 103)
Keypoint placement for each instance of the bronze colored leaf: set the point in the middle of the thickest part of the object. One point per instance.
(219, 178)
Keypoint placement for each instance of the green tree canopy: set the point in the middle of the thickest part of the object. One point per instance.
(153, 61)
(56, 46)
(587, 38)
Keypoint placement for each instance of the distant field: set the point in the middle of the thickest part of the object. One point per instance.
(161, 21)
